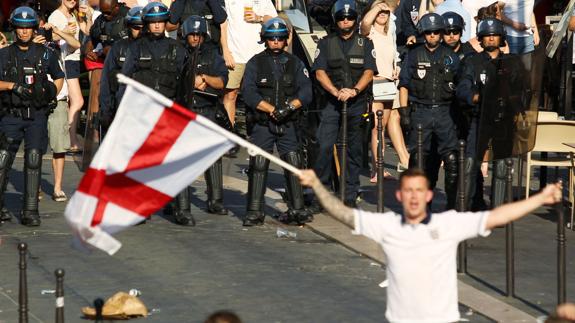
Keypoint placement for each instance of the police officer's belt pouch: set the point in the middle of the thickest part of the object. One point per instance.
(384, 90)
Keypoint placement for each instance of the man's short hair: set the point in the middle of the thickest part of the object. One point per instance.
(414, 172)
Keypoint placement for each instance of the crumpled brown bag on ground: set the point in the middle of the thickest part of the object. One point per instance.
(121, 306)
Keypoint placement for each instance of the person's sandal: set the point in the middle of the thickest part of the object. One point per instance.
(59, 196)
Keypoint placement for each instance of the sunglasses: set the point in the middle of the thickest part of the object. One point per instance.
(346, 18)
(276, 38)
(384, 12)
(454, 32)
(136, 27)
(432, 32)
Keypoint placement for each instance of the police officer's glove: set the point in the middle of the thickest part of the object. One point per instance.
(22, 91)
(405, 117)
(280, 114)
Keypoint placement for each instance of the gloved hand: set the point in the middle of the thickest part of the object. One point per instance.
(405, 117)
(22, 91)
(280, 114)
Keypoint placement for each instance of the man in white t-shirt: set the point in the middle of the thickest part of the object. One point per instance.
(242, 28)
(420, 247)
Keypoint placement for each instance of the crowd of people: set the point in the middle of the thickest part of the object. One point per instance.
(422, 63)
(415, 62)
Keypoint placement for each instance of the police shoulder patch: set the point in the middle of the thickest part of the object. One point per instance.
(360, 41)
(305, 72)
(317, 52)
(373, 52)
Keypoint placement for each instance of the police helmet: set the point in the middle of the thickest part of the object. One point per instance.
(430, 22)
(134, 17)
(491, 26)
(275, 27)
(344, 9)
(453, 21)
(155, 12)
(24, 17)
(195, 25)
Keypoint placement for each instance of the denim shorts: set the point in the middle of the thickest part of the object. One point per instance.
(520, 45)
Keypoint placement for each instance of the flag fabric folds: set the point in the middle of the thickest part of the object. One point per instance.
(152, 151)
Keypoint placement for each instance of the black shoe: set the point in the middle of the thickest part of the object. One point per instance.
(216, 207)
(5, 215)
(233, 152)
(253, 218)
(30, 218)
(315, 207)
(184, 218)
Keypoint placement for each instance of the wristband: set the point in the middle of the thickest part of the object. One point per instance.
(357, 91)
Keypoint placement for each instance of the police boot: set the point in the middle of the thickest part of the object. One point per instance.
(297, 212)
(6, 159)
(32, 166)
(215, 184)
(498, 183)
(182, 213)
(450, 168)
(258, 173)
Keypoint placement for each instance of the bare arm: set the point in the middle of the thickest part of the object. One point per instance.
(330, 203)
(403, 96)
(59, 83)
(325, 82)
(572, 23)
(228, 57)
(513, 211)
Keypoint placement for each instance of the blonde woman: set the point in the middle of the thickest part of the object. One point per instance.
(65, 18)
(378, 25)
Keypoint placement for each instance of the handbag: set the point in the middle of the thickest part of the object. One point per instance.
(384, 90)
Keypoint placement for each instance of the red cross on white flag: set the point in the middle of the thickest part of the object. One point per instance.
(153, 150)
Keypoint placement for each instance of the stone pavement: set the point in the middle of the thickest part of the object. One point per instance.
(322, 275)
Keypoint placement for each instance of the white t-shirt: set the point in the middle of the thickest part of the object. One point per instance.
(421, 261)
(520, 11)
(58, 19)
(243, 37)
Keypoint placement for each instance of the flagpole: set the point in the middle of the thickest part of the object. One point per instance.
(252, 149)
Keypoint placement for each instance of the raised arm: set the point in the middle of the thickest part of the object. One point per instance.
(506, 213)
(330, 203)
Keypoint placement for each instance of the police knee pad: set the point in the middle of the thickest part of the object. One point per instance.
(33, 159)
(5, 159)
(259, 164)
(294, 158)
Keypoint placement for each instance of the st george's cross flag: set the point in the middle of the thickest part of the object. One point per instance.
(152, 151)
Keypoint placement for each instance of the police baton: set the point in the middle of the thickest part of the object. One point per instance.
(380, 171)
(23, 287)
(343, 157)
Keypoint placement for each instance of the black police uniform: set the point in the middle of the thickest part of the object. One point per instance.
(207, 61)
(462, 121)
(109, 83)
(27, 119)
(212, 10)
(344, 61)
(107, 32)
(155, 62)
(430, 80)
(276, 79)
(407, 14)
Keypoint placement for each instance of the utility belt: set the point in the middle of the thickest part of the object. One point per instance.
(26, 113)
(416, 105)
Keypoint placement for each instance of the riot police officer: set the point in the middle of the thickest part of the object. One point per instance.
(427, 82)
(157, 61)
(204, 78)
(211, 10)
(108, 28)
(113, 65)
(454, 24)
(476, 71)
(344, 67)
(276, 86)
(27, 98)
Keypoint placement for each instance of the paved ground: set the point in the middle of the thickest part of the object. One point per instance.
(186, 273)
